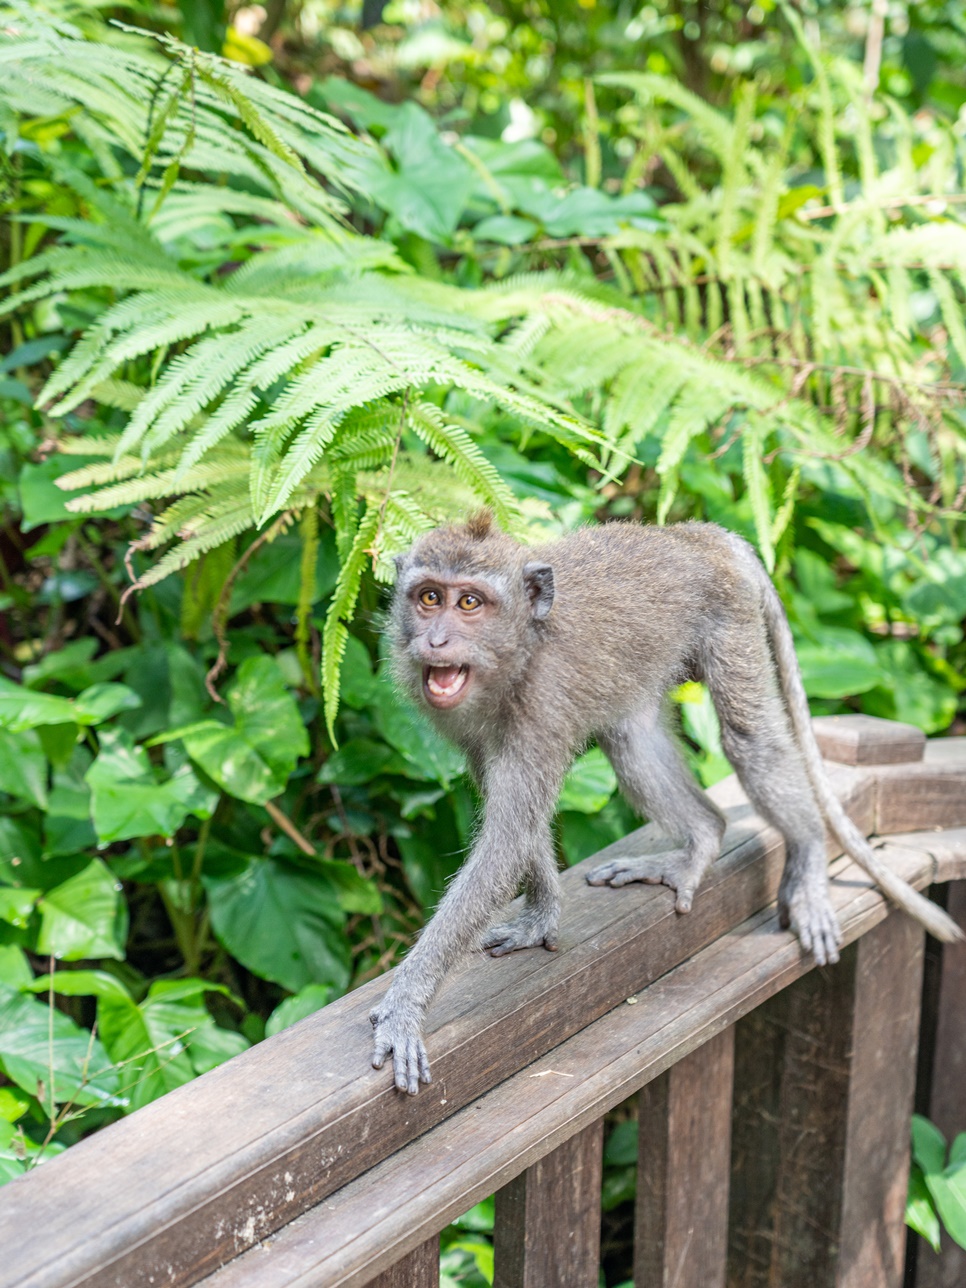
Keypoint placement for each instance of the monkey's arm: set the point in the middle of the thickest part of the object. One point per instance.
(516, 822)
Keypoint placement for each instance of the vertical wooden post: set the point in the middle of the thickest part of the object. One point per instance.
(947, 1093)
(825, 1074)
(684, 1153)
(419, 1269)
(547, 1231)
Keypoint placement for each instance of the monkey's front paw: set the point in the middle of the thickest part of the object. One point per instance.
(525, 932)
(809, 914)
(401, 1034)
(675, 869)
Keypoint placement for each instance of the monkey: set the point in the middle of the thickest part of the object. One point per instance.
(522, 655)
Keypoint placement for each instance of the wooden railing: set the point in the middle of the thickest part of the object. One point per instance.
(774, 1098)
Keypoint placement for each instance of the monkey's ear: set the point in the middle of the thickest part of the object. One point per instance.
(538, 582)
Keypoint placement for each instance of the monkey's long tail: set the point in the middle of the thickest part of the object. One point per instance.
(923, 910)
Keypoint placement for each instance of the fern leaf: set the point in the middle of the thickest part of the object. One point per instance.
(341, 608)
(759, 493)
(455, 445)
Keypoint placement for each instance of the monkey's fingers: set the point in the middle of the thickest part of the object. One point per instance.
(410, 1065)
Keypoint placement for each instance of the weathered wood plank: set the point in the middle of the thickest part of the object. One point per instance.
(948, 849)
(371, 1222)
(297, 1117)
(867, 740)
(547, 1228)
(885, 1034)
(684, 1160)
(419, 1269)
(826, 1072)
(947, 1098)
(931, 794)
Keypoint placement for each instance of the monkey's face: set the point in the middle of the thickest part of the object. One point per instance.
(466, 635)
(452, 623)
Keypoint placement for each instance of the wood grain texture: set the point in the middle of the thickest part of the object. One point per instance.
(547, 1228)
(377, 1218)
(418, 1269)
(885, 1034)
(282, 1125)
(947, 1099)
(867, 740)
(931, 794)
(683, 1170)
(825, 1073)
(190, 1182)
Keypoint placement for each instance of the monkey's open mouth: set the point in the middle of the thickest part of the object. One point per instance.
(444, 686)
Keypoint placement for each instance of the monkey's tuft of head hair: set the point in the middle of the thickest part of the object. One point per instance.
(480, 525)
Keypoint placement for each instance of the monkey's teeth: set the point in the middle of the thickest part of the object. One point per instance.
(444, 681)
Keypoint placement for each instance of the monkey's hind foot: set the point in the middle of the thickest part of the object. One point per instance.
(677, 869)
(809, 915)
(529, 930)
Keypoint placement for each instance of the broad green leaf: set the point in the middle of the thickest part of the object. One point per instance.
(11, 1163)
(71, 665)
(355, 892)
(80, 983)
(101, 701)
(253, 758)
(127, 799)
(844, 665)
(14, 967)
(23, 767)
(928, 1144)
(584, 834)
(272, 575)
(16, 905)
(35, 1041)
(427, 754)
(148, 1042)
(67, 823)
(167, 1039)
(909, 691)
(13, 1104)
(305, 1002)
(921, 1213)
(359, 685)
(359, 761)
(589, 785)
(18, 1153)
(507, 230)
(948, 1190)
(22, 708)
(282, 922)
(84, 917)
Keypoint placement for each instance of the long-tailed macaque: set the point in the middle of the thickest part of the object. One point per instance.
(522, 655)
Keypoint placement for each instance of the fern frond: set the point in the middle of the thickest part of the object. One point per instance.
(341, 608)
(454, 445)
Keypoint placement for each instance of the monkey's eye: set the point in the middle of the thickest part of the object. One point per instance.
(469, 602)
(429, 598)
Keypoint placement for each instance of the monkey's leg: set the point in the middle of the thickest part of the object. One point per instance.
(516, 825)
(657, 783)
(537, 924)
(768, 763)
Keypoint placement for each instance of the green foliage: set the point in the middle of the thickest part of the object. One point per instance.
(937, 1184)
(255, 352)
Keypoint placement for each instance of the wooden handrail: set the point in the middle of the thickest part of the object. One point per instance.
(527, 1051)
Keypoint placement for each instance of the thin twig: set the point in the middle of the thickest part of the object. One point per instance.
(285, 824)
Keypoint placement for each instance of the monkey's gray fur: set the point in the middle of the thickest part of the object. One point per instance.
(522, 655)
